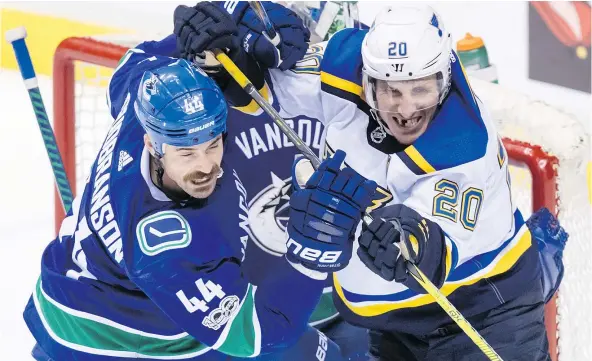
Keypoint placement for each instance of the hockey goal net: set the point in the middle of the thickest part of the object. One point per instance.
(548, 149)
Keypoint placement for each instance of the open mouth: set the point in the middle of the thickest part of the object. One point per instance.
(201, 181)
(408, 123)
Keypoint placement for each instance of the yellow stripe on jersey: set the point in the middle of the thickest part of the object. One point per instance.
(418, 159)
(511, 255)
(466, 78)
(501, 152)
(342, 84)
(253, 108)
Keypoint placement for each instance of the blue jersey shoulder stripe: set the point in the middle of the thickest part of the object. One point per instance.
(457, 134)
(341, 67)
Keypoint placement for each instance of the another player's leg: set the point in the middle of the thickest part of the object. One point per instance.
(312, 345)
(515, 329)
(352, 340)
(387, 346)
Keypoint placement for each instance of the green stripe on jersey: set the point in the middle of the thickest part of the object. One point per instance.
(325, 309)
(76, 330)
(244, 333)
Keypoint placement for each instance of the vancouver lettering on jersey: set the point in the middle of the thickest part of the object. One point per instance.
(244, 216)
(252, 143)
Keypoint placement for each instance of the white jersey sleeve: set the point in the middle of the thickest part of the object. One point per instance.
(295, 92)
(456, 175)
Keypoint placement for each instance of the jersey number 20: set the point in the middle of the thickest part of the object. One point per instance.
(447, 199)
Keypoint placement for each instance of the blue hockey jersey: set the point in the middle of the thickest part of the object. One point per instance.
(133, 274)
(263, 156)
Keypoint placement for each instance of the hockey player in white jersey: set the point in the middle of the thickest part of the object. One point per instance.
(396, 99)
(260, 152)
(147, 263)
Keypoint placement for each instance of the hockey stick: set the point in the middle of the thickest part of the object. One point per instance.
(421, 278)
(17, 38)
(269, 32)
(430, 288)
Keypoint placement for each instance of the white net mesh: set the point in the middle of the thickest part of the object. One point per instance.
(92, 117)
(563, 136)
(517, 116)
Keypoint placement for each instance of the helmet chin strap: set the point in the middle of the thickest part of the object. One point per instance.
(159, 173)
(155, 157)
(379, 133)
(381, 123)
(157, 166)
(159, 170)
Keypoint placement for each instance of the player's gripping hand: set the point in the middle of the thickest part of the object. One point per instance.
(393, 228)
(204, 26)
(551, 239)
(294, 36)
(325, 213)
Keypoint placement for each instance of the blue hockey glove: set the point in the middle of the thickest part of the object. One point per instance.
(325, 214)
(551, 239)
(380, 246)
(293, 34)
(204, 27)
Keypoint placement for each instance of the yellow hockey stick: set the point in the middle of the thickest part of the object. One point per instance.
(430, 288)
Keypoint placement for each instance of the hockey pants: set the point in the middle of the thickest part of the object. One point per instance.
(515, 330)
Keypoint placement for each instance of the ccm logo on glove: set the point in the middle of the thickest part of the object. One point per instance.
(327, 258)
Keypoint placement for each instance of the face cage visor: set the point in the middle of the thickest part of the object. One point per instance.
(404, 96)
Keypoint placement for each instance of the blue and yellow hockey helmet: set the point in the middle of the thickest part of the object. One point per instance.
(180, 105)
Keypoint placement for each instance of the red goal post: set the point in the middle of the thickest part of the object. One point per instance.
(72, 53)
(68, 53)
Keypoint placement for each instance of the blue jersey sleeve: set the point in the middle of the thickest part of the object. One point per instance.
(164, 47)
(126, 78)
(154, 54)
(192, 273)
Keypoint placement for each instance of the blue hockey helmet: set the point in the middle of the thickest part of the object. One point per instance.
(179, 105)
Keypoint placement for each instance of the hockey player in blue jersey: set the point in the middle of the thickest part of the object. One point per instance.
(397, 100)
(261, 153)
(147, 263)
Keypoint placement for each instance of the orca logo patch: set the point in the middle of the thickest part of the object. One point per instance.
(163, 231)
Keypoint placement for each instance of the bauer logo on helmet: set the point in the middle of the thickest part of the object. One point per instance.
(201, 127)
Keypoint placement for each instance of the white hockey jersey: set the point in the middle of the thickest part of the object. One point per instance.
(455, 174)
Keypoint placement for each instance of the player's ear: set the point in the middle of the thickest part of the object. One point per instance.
(148, 144)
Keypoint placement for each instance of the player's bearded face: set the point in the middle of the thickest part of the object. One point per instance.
(195, 169)
(407, 107)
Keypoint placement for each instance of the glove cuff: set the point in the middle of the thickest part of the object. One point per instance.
(236, 9)
(315, 275)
